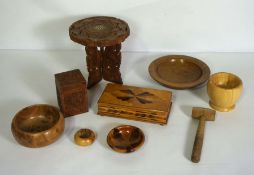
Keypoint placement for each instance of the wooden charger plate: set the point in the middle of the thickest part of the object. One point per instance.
(179, 71)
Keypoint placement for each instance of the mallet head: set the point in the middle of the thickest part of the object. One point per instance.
(208, 114)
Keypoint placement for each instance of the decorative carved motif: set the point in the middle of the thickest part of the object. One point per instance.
(102, 37)
(103, 62)
(71, 92)
(135, 103)
(128, 94)
(94, 64)
(75, 101)
(111, 64)
(99, 31)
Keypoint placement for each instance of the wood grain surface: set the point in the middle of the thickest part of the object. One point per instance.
(179, 71)
(224, 89)
(37, 125)
(125, 138)
(71, 92)
(203, 115)
(141, 104)
(99, 31)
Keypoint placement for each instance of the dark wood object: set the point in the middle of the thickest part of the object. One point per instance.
(125, 138)
(71, 92)
(135, 103)
(84, 137)
(102, 37)
(37, 125)
(203, 115)
(179, 71)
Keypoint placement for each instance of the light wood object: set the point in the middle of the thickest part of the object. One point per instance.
(135, 103)
(179, 71)
(203, 115)
(37, 125)
(125, 138)
(84, 137)
(224, 89)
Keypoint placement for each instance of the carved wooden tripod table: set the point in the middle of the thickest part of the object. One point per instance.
(102, 37)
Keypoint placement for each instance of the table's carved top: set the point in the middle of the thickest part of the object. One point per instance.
(99, 31)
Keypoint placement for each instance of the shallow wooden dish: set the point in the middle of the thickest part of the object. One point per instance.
(125, 138)
(37, 125)
(179, 71)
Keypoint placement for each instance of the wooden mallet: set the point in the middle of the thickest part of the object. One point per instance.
(203, 115)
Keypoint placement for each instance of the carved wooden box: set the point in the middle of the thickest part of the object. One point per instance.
(141, 104)
(71, 92)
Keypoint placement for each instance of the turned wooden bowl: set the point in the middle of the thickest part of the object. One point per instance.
(224, 89)
(37, 125)
(125, 138)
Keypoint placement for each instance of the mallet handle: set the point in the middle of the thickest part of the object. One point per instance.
(197, 147)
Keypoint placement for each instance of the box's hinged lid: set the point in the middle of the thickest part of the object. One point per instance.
(130, 96)
(70, 78)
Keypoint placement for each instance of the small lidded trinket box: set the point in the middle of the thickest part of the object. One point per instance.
(71, 92)
(135, 103)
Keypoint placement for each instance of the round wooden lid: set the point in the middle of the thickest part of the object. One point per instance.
(179, 71)
(99, 31)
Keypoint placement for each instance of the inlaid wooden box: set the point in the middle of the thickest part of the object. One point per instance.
(135, 103)
(71, 92)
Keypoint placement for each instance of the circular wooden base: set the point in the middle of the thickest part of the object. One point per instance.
(221, 109)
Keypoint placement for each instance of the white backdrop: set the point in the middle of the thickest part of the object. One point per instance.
(156, 25)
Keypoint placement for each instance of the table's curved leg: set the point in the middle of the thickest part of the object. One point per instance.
(111, 64)
(94, 64)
